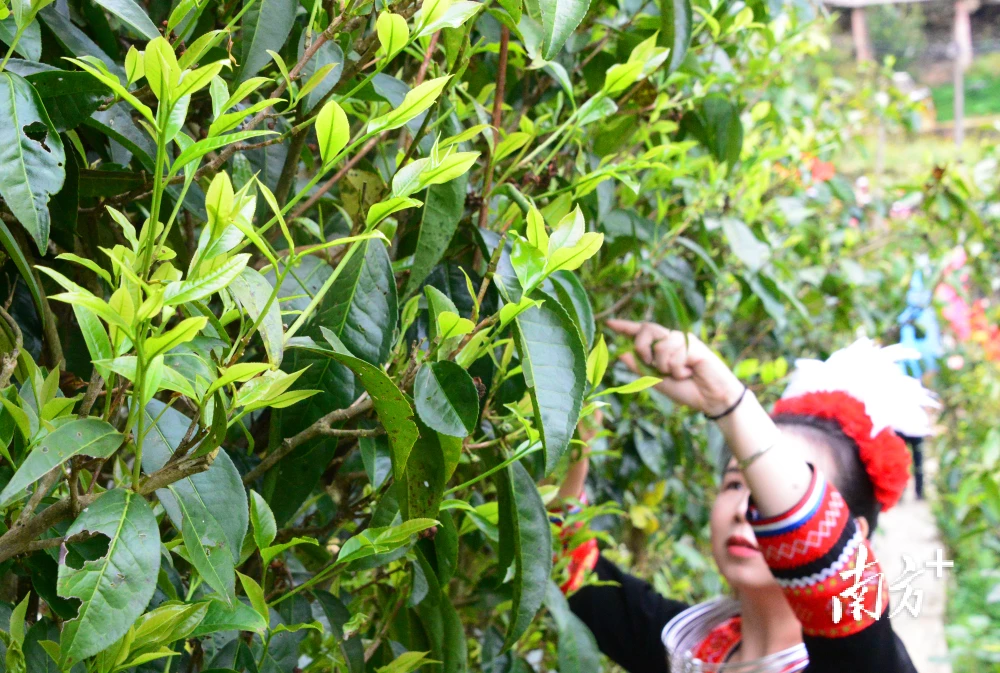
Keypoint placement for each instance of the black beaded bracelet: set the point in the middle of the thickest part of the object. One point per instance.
(730, 409)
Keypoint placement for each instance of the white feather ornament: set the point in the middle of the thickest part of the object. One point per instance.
(870, 374)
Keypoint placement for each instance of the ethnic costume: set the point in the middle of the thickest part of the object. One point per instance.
(815, 550)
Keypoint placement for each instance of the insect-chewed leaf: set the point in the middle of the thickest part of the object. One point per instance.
(115, 588)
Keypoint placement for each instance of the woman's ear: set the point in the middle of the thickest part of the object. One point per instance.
(863, 525)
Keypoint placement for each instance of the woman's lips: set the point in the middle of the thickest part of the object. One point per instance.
(741, 547)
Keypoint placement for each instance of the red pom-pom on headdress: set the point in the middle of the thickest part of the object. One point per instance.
(866, 391)
(885, 456)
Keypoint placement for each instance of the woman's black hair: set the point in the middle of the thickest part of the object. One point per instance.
(852, 479)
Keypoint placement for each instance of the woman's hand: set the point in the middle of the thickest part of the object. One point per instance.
(694, 375)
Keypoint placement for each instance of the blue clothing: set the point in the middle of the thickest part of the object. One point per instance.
(919, 313)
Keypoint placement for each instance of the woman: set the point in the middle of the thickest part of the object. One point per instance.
(790, 526)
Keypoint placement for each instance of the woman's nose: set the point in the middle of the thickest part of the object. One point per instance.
(747, 508)
(744, 506)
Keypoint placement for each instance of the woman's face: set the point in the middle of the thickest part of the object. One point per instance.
(734, 545)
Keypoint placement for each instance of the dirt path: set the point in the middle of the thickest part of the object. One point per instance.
(909, 530)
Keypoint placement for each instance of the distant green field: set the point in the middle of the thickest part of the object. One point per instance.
(982, 97)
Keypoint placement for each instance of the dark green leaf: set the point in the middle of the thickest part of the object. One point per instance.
(393, 409)
(329, 52)
(31, 157)
(131, 15)
(555, 369)
(266, 25)
(70, 97)
(17, 255)
(523, 516)
(116, 588)
(442, 550)
(210, 508)
(36, 659)
(444, 206)
(446, 398)
(441, 623)
(74, 40)
(578, 651)
(30, 44)
(425, 477)
(302, 282)
(116, 123)
(376, 456)
(67, 203)
(716, 125)
(44, 571)
(675, 30)
(559, 19)
(338, 615)
(568, 289)
(222, 617)
(288, 485)
(361, 306)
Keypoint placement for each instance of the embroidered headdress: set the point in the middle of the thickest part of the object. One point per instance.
(864, 389)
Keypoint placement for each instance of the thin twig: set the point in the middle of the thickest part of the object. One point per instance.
(20, 536)
(49, 543)
(322, 427)
(8, 362)
(427, 59)
(373, 647)
(74, 487)
(93, 392)
(328, 185)
(498, 94)
(41, 488)
(634, 288)
(491, 270)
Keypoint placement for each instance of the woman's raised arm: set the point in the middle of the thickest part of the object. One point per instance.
(696, 377)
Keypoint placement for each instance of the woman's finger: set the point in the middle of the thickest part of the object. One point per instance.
(662, 350)
(678, 359)
(627, 327)
(644, 343)
(630, 362)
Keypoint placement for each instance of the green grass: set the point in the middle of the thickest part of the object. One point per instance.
(912, 157)
(982, 98)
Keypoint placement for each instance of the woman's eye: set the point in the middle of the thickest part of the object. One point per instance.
(733, 485)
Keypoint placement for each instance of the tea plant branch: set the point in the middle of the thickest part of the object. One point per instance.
(322, 427)
(634, 288)
(532, 448)
(374, 645)
(491, 269)
(328, 185)
(49, 543)
(291, 166)
(74, 487)
(94, 388)
(22, 533)
(8, 362)
(41, 489)
(498, 95)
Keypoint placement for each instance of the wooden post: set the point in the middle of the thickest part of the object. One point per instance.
(963, 58)
(859, 29)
